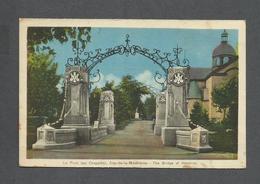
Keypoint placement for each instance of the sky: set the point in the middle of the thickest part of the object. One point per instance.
(198, 45)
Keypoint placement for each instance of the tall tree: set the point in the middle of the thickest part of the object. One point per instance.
(226, 98)
(226, 95)
(134, 91)
(94, 104)
(43, 95)
(127, 97)
(150, 107)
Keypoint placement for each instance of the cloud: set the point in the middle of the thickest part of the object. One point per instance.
(147, 78)
(112, 77)
(106, 78)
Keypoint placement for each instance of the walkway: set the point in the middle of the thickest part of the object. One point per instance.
(136, 141)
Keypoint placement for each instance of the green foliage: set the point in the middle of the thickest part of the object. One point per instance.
(150, 107)
(134, 91)
(109, 86)
(94, 104)
(43, 35)
(122, 106)
(226, 132)
(224, 140)
(127, 97)
(199, 115)
(226, 95)
(43, 96)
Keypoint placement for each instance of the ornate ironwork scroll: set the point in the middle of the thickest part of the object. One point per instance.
(95, 76)
(163, 60)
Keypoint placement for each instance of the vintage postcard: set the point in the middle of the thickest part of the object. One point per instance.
(132, 93)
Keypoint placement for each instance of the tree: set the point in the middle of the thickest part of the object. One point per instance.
(150, 107)
(41, 36)
(43, 96)
(228, 101)
(133, 91)
(127, 97)
(121, 105)
(225, 96)
(94, 104)
(109, 86)
(199, 115)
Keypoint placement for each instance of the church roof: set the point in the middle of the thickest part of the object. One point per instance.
(194, 90)
(223, 49)
(199, 73)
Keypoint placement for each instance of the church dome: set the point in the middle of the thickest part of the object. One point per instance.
(224, 53)
(224, 48)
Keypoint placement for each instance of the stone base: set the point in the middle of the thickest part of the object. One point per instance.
(169, 135)
(83, 133)
(51, 138)
(202, 149)
(111, 128)
(42, 145)
(195, 140)
(158, 129)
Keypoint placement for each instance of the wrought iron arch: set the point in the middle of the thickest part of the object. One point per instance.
(163, 60)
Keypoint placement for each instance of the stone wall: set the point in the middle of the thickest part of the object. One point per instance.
(97, 134)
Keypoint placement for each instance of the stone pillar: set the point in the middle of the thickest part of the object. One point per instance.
(160, 113)
(106, 111)
(176, 105)
(77, 108)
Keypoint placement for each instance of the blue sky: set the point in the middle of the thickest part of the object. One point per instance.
(197, 43)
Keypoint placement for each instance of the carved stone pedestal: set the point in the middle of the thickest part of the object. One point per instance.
(51, 138)
(106, 111)
(196, 140)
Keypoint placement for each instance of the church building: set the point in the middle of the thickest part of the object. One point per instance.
(204, 80)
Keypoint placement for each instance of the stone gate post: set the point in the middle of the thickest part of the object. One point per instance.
(160, 113)
(77, 108)
(176, 105)
(106, 110)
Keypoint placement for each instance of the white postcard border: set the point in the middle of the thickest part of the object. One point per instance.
(240, 25)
